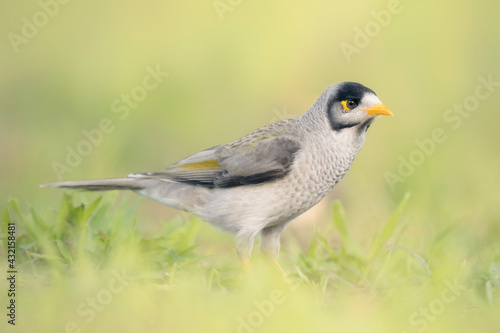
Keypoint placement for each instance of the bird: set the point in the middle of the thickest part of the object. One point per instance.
(261, 182)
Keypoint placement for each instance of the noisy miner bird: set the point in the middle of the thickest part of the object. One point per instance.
(261, 182)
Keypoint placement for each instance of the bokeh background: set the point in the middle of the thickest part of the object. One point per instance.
(261, 62)
(234, 66)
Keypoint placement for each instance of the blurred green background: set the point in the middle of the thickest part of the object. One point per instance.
(234, 66)
(263, 61)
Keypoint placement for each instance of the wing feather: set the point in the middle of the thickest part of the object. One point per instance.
(261, 156)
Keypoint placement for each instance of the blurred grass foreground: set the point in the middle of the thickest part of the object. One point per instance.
(93, 270)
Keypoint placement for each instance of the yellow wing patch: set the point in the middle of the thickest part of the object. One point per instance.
(197, 166)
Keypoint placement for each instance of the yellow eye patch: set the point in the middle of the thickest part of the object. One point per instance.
(344, 104)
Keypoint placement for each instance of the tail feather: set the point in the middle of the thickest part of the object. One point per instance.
(101, 184)
(177, 195)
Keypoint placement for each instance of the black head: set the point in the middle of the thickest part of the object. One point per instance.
(350, 104)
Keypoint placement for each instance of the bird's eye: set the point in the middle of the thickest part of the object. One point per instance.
(349, 104)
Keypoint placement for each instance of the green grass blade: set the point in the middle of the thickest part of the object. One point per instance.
(5, 220)
(389, 227)
(349, 244)
(89, 210)
(62, 217)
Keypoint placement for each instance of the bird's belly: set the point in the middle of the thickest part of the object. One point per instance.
(254, 207)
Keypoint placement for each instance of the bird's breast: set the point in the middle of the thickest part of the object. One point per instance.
(319, 167)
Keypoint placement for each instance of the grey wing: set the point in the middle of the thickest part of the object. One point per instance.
(267, 159)
(254, 160)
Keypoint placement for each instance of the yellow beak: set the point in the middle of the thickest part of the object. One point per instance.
(379, 109)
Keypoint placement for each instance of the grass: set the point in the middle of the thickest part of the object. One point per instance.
(88, 267)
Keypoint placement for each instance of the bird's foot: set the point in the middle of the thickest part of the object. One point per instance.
(281, 271)
(247, 267)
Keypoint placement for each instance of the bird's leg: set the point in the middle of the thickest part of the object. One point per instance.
(247, 267)
(244, 246)
(279, 269)
(270, 246)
